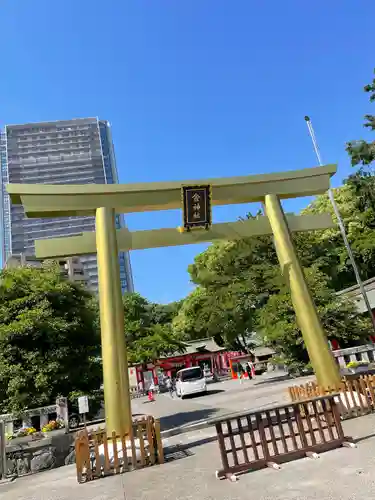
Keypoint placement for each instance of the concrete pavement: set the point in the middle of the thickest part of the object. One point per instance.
(225, 397)
(342, 474)
(229, 396)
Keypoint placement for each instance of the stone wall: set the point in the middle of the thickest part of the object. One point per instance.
(26, 456)
(59, 411)
(359, 353)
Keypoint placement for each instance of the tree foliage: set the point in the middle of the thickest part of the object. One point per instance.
(279, 329)
(361, 151)
(148, 331)
(234, 279)
(326, 248)
(356, 202)
(49, 340)
(158, 342)
(362, 181)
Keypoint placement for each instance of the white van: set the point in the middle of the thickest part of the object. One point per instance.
(190, 381)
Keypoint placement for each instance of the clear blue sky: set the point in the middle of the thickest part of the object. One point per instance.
(193, 89)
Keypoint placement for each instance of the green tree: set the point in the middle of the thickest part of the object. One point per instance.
(239, 284)
(278, 327)
(362, 181)
(148, 331)
(361, 151)
(196, 318)
(326, 249)
(49, 340)
(363, 187)
(137, 317)
(164, 313)
(160, 341)
(234, 279)
(356, 202)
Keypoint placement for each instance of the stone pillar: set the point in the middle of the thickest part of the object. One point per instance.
(341, 361)
(62, 411)
(9, 427)
(365, 356)
(43, 421)
(26, 421)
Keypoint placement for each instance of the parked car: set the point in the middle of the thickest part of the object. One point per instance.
(190, 381)
(96, 410)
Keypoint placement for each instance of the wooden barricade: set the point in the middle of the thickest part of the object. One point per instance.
(99, 454)
(356, 396)
(269, 437)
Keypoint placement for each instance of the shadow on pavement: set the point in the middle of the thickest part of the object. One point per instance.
(186, 417)
(274, 380)
(210, 392)
(199, 442)
(183, 450)
(363, 438)
(214, 391)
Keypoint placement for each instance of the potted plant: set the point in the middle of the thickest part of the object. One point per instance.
(24, 434)
(358, 366)
(53, 425)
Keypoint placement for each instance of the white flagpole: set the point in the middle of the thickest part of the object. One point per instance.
(341, 225)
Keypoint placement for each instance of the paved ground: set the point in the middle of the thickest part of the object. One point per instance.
(223, 397)
(342, 474)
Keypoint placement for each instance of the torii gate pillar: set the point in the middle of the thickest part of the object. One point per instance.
(321, 358)
(114, 356)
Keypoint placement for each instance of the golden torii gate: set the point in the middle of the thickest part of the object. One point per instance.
(104, 201)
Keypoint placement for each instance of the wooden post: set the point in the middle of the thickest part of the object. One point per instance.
(159, 443)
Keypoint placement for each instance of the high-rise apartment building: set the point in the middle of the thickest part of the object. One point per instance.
(76, 151)
(70, 267)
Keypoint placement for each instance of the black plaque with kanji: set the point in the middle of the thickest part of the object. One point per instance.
(196, 206)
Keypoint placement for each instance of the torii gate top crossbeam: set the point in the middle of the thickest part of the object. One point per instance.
(44, 200)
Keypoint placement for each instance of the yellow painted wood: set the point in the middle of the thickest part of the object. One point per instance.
(325, 367)
(138, 240)
(116, 386)
(43, 200)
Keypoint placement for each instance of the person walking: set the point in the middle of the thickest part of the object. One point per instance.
(170, 387)
(250, 370)
(140, 389)
(151, 392)
(240, 373)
